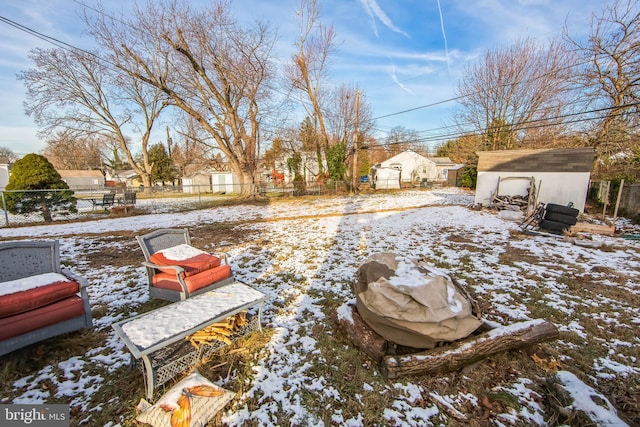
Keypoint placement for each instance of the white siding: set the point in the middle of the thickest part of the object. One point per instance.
(574, 186)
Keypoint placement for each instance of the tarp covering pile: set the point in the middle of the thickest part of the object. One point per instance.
(411, 303)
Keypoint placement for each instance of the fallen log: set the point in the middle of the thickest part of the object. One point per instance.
(362, 336)
(455, 355)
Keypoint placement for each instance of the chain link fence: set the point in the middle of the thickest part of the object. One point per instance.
(28, 207)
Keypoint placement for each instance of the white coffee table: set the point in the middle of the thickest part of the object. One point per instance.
(154, 331)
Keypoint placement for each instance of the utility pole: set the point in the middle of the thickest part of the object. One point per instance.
(354, 173)
(169, 142)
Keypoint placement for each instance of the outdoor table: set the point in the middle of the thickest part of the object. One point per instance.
(157, 329)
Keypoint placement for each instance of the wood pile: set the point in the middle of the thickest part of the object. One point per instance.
(511, 203)
(485, 342)
(221, 331)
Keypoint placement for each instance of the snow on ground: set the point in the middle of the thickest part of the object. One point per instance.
(308, 251)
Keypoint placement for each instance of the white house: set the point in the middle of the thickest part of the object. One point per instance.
(560, 176)
(415, 167)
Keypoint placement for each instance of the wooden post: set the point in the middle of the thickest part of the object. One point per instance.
(606, 200)
(355, 174)
(615, 212)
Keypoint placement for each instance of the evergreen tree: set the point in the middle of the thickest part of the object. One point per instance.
(162, 169)
(336, 161)
(294, 163)
(34, 172)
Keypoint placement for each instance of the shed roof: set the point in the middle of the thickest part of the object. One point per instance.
(67, 173)
(544, 160)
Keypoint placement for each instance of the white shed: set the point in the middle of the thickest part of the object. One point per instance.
(225, 182)
(209, 180)
(561, 176)
(4, 174)
(385, 178)
(83, 179)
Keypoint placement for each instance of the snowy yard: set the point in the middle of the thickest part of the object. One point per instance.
(303, 254)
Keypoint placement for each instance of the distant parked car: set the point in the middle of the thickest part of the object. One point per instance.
(364, 178)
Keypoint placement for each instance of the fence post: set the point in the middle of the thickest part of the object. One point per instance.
(4, 209)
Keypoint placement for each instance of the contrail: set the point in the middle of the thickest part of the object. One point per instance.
(444, 35)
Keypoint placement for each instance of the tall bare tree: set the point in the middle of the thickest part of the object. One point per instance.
(76, 91)
(514, 90)
(350, 117)
(206, 63)
(610, 75)
(65, 151)
(309, 67)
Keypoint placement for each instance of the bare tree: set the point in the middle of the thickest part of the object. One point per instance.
(209, 66)
(309, 67)
(191, 152)
(341, 118)
(400, 139)
(513, 91)
(350, 117)
(6, 154)
(77, 92)
(610, 77)
(66, 151)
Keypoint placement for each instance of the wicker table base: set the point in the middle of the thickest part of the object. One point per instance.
(158, 336)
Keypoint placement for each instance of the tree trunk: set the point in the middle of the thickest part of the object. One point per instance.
(46, 212)
(246, 184)
(456, 355)
(362, 336)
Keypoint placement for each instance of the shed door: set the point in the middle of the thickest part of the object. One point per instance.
(221, 182)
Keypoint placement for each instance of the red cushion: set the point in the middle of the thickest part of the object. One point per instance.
(44, 316)
(193, 260)
(27, 300)
(194, 282)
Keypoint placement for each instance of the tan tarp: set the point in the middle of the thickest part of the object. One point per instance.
(412, 304)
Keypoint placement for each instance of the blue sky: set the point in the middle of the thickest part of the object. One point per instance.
(403, 55)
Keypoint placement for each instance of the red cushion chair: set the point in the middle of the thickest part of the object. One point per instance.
(39, 299)
(176, 270)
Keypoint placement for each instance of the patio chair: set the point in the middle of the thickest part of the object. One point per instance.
(106, 202)
(128, 198)
(39, 299)
(176, 270)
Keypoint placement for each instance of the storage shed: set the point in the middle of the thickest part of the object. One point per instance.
(83, 179)
(561, 176)
(4, 172)
(209, 180)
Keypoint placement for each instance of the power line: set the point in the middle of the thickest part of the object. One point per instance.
(531, 124)
(73, 48)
